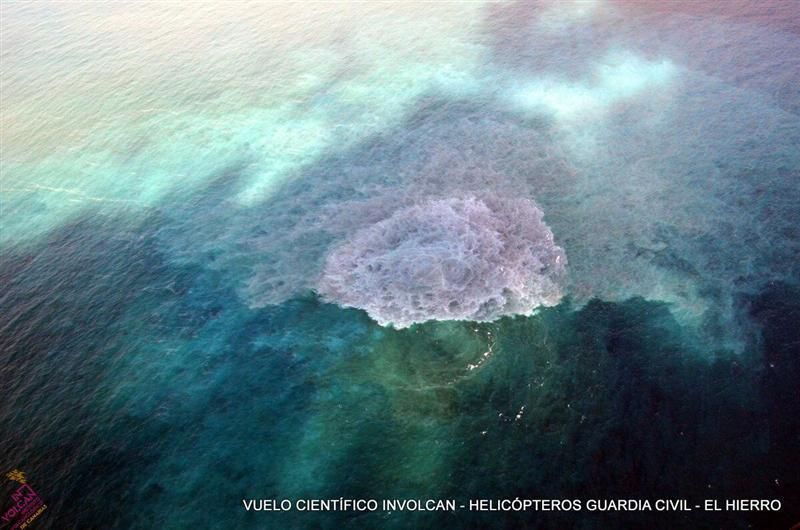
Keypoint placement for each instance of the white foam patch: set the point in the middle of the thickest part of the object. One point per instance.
(452, 259)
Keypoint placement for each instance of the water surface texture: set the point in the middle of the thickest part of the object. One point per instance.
(241, 241)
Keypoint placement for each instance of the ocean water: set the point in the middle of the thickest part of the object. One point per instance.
(178, 179)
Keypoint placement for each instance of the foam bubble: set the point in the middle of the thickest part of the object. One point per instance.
(449, 259)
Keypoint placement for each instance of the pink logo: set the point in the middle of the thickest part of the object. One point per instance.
(26, 505)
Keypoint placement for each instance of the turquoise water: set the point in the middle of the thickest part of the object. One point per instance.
(175, 181)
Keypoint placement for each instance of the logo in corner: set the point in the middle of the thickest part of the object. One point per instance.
(26, 505)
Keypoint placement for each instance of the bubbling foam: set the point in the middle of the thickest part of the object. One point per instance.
(473, 258)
